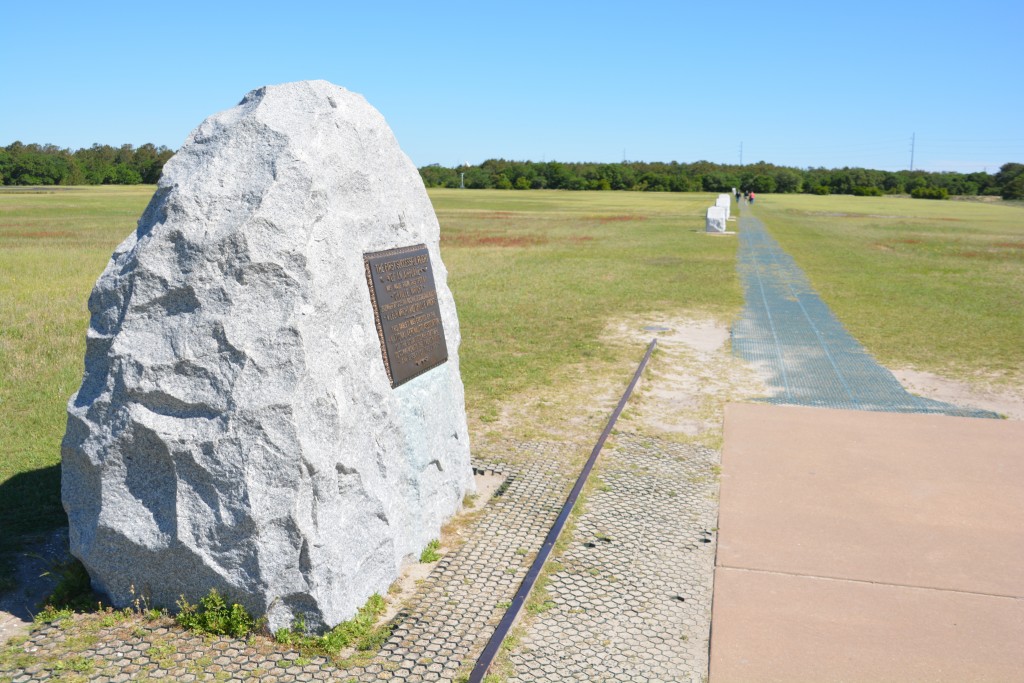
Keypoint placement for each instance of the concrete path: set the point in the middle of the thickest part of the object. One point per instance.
(859, 546)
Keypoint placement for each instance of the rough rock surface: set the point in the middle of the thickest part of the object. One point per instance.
(715, 220)
(235, 428)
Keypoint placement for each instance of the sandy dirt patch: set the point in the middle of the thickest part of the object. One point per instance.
(1007, 401)
(692, 376)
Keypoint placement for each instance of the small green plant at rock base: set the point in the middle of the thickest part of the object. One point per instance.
(52, 615)
(359, 631)
(504, 604)
(112, 617)
(214, 616)
(74, 588)
(430, 553)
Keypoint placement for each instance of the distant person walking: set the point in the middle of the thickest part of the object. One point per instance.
(751, 196)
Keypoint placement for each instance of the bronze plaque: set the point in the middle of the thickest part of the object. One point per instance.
(406, 312)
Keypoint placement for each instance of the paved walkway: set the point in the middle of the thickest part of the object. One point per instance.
(630, 602)
(859, 546)
(808, 355)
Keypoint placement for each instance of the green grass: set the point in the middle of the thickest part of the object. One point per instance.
(937, 285)
(53, 246)
(361, 632)
(537, 275)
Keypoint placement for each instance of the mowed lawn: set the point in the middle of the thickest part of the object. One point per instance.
(536, 275)
(936, 285)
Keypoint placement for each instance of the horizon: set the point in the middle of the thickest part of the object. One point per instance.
(794, 86)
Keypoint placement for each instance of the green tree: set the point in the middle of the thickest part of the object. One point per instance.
(1014, 189)
(762, 183)
(1008, 179)
(787, 180)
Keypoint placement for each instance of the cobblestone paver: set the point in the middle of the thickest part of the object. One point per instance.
(632, 599)
(445, 624)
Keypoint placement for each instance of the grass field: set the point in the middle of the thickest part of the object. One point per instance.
(535, 276)
(938, 285)
(52, 248)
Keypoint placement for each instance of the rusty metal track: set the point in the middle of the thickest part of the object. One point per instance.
(490, 651)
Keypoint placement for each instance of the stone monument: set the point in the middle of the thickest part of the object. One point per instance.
(715, 219)
(724, 201)
(271, 403)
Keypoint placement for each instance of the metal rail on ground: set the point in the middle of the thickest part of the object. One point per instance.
(490, 651)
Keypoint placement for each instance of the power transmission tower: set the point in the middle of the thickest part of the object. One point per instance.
(912, 137)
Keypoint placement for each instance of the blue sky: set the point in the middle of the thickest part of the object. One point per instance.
(800, 84)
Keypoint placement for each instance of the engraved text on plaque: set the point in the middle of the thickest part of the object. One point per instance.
(406, 311)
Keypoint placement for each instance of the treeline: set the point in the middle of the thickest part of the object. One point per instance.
(704, 176)
(34, 164)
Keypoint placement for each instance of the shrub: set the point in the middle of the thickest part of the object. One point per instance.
(862, 191)
(929, 193)
(820, 189)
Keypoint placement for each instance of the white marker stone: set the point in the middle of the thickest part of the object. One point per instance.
(235, 428)
(724, 201)
(715, 220)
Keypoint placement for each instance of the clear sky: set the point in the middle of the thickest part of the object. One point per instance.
(793, 83)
